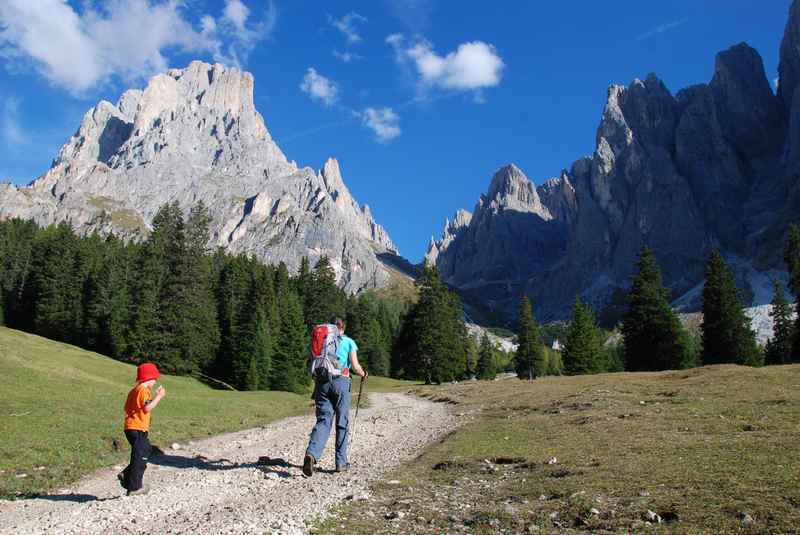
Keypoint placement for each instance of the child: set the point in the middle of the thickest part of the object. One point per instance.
(138, 406)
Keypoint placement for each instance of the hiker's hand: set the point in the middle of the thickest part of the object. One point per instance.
(161, 391)
(365, 375)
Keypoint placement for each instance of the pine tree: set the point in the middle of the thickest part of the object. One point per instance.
(583, 347)
(613, 357)
(55, 284)
(726, 332)
(269, 327)
(472, 350)
(530, 358)
(431, 344)
(653, 336)
(146, 334)
(555, 363)
(324, 299)
(453, 362)
(304, 285)
(18, 280)
(290, 359)
(792, 257)
(251, 378)
(254, 345)
(107, 295)
(232, 291)
(486, 365)
(779, 348)
(198, 333)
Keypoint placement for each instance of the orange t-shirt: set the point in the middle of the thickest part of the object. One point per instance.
(136, 417)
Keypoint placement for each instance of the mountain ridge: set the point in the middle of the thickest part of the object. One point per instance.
(714, 165)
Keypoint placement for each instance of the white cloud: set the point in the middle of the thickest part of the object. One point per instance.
(236, 13)
(67, 56)
(10, 128)
(661, 29)
(239, 35)
(473, 66)
(347, 25)
(123, 38)
(319, 88)
(383, 121)
(346, 56)
(414, 14)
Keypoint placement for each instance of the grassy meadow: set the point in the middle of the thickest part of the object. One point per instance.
(708, 450)
(61, 411)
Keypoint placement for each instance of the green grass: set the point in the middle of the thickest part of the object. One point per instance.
(382, 384)
(103, 203)
(62, 409)
(699, 447)
(122, 217)
(128, 219)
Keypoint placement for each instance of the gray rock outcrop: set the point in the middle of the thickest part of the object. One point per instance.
(194, 134)
(717, 165)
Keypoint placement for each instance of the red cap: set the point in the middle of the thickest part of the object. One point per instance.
(147, 371)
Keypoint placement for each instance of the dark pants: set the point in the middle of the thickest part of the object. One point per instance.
(140, 452)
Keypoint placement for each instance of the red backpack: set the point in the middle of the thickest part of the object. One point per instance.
(324, 364)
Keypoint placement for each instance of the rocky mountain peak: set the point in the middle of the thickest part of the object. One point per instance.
(508, 180)
(194, 134)
(789, 66)
(361, 216)
(452, 229)
(461, 219)
(558, 195)
(332, 176)
(750, 114)
(511, 189)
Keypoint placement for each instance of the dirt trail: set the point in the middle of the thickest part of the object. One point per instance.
(226, 491)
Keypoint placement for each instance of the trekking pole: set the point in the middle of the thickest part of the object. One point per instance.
(358, 403)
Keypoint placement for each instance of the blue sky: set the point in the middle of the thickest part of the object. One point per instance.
(419, 100)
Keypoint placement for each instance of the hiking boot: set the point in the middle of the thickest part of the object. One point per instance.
(342, 467)
(139, 492)
(308, 465)
(121, 479)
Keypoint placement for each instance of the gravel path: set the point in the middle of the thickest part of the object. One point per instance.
(217, 486)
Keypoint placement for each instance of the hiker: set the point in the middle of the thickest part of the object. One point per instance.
(332, 398)
(138, 406)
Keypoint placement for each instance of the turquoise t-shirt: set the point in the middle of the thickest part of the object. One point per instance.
(346, 346)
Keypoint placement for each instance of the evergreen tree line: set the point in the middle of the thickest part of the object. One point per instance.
(653, 337)
(170, 300)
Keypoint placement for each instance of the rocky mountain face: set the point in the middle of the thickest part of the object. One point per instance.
(194, 134)
(716, 165)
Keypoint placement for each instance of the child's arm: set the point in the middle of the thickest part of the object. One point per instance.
(150, 405)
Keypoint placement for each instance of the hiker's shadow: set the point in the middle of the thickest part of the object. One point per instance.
(198, 461)
(77, 498)
(280, 467)
(267, 465)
